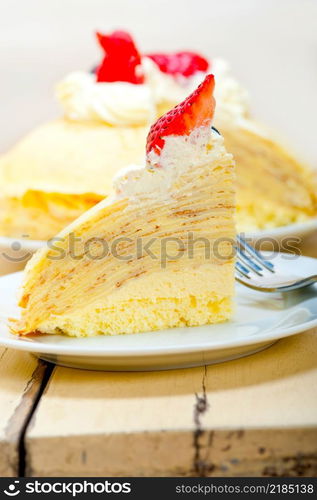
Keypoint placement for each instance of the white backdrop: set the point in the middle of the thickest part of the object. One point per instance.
(272, 46)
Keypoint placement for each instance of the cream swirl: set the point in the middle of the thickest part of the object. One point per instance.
(231, 97)
(113, 103)
(167, 88)
(127, 104)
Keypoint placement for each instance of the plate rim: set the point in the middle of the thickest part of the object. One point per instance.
(36, 347)
(280, 231)
(7, 241)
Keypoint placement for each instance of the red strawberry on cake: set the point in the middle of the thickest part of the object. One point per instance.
(122, 61)
(196, 111)
(184, 63)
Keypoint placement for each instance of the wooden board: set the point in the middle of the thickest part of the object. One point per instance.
(20, 381)
(253, 416)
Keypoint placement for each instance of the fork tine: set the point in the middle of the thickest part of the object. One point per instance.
(248, 262)
(243, 271)
(254, 253)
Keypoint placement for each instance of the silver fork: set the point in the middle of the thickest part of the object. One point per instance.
(254, 271)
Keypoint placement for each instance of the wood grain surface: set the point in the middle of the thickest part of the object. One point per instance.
(20, 381)
(246, 417)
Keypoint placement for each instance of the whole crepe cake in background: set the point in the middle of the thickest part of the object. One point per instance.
(64, 167)
(158, 252)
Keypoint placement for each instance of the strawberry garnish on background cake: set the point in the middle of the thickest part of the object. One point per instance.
(196, 111)
(122, 60)
(180, 63)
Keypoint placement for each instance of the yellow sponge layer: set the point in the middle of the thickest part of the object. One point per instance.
(134, 316)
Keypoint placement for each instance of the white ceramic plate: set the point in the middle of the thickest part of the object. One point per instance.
(299, 230)
(260, 320)
(14, 253)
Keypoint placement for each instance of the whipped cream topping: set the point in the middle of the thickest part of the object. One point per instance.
(127, 104)
(167, 88)
(231, 98)
(179, 154)
(113, 103)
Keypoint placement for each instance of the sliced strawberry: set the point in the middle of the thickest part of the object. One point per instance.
(196, 111)
(122, 61)
(180, 63)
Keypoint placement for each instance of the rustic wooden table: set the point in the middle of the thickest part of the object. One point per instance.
(253, 416)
